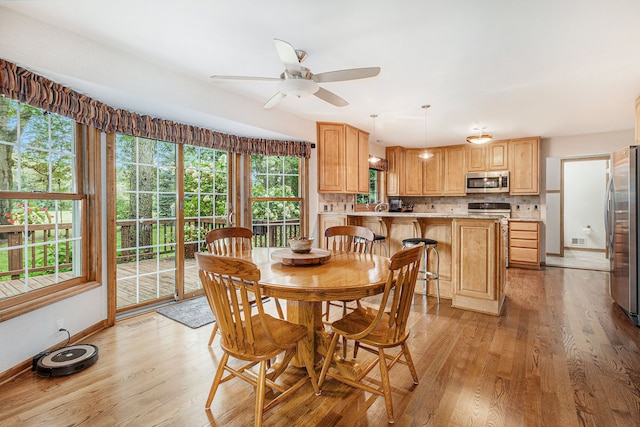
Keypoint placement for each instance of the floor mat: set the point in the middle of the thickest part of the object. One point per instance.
(193, 313)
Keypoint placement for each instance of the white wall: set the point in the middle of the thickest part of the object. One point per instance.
(25, 336)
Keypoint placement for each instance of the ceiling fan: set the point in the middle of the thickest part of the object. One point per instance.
(299, 81)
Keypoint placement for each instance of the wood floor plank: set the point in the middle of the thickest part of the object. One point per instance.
(563, 354)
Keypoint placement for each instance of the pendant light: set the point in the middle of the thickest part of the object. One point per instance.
(425, 154)
(374, 159)
(480, 138)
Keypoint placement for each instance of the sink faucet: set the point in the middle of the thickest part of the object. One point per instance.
(380, 207)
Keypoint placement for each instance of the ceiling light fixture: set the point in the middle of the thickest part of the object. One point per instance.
(480, 138)
(298, 86)
(425, 154)
(374, 159)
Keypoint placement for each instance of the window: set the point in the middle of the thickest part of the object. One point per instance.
(275, 200)
(373, 196)
(42, 227)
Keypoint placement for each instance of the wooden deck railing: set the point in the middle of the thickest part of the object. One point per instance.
(152, 236)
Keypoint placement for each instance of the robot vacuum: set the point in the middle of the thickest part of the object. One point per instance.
(66, 360)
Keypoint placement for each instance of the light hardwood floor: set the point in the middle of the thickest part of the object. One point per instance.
(563, 354)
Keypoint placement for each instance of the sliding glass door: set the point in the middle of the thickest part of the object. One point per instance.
(206, 204)
(146, 196)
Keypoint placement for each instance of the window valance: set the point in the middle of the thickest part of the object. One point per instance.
(25, 86)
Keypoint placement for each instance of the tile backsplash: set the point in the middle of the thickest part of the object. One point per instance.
(521, 206)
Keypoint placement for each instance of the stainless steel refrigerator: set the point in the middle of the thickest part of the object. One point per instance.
(621, 226)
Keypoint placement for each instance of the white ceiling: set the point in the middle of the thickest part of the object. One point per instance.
(519, 68)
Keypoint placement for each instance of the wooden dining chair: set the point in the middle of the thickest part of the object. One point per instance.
(229, 284)
(233, 242)
(347, 238)
(378, 330)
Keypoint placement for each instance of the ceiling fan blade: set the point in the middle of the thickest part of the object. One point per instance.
(274, 100)
(331, 98)
(266, 79)
(287, 55)
(350, 74)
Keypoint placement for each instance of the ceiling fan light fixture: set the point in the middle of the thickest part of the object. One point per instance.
(480, 138)
(298, 87)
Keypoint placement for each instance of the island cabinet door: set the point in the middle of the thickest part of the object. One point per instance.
(400, 229)
(326, 221)
(476, 253)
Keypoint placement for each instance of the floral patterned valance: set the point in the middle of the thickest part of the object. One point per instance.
(25, 86)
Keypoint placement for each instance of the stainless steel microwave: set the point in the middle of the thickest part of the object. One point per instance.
(488, 182)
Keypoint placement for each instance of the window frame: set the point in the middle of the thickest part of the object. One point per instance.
(302, 198)
(88, 187)
(380, 184)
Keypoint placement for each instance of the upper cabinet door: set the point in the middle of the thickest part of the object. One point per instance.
(524, 166)
(454, 167)
(476, 158)
(432, 173)
(413, 172)
(331, 158)
(498, 156)
(352, 156)
(395, 173)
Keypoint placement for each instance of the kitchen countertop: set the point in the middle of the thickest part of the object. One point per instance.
(387, 214)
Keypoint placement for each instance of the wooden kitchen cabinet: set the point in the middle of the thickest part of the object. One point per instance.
(524, 244)
(326, 221)
(498, 156)
(524, 166)
(488, 157)
(454, 168)
(395, 171)
(343, 153)
(413, 172)
(478, 265)
(433, 173)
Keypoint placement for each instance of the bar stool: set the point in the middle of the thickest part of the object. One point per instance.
(381, 240)
(429, 244)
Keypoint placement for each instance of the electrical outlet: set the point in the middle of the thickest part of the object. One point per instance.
(433, 206)
(59, 324)
(535, 207)
(517, 207)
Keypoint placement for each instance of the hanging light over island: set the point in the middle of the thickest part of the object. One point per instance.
(426, 154)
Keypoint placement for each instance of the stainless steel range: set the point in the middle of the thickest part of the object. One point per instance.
(494, 208)
(490, 208)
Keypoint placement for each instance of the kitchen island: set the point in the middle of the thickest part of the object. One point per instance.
(471, 247)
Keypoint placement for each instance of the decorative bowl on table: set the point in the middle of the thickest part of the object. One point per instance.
(301, 245)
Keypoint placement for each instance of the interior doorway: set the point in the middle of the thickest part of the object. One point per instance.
(580, 229)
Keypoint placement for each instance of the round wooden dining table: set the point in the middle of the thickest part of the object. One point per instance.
(345, 276)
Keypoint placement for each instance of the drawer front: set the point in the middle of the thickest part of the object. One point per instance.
(519, 243)
(523, 255)
(523, 226)
(526, 235)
